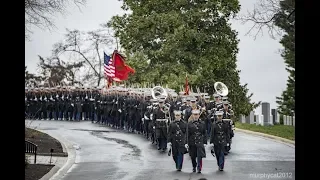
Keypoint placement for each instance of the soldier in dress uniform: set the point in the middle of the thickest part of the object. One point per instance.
(227, 112)
(153, 123)
(161, 119)
(183, 108)
(206, 114)
(193, 106)
(197, 140)
(147, 120)
(176, 138)
(174, 105)
(217, 102)
(218, 139)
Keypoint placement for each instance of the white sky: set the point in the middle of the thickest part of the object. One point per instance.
(259, 60)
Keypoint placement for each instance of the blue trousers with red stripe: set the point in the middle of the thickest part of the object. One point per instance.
(196, 159)
(178, 159)
(219, 152)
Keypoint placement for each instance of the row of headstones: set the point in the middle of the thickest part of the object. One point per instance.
(267, 117)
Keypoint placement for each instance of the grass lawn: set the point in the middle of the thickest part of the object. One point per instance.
(283, 131)
(44, 141)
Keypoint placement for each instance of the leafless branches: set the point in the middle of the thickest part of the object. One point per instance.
(57, 71)
(88, 47)
(40, 13)
(264, 16)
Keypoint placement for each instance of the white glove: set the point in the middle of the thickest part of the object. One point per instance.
(154, 127)
(211, 145)
(169, 144)
(186, 146)
(205, 145)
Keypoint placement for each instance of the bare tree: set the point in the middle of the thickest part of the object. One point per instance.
(32, 80)
(40, 13)
(88, 46)
(264, 17)
(57, 72)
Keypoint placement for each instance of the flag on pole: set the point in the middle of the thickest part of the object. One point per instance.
(109, 69)
(186, 87)
(122, 70)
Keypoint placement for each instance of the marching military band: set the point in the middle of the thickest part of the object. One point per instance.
(184, 123)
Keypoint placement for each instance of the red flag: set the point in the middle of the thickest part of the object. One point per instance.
(186, 87)
(122, 70)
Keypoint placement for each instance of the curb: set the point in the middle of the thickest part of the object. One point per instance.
(64, 154)
(58, 171)
(276, 138)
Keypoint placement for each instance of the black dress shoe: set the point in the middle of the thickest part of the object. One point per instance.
(199, 171)
(178, 169)
(194, 170)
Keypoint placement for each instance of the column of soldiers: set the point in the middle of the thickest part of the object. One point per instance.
(184, 122)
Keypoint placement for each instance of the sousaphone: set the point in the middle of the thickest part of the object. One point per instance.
(221, 89)
(158, 91)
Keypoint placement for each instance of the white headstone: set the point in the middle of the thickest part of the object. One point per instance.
(285, 120)
(294, 121)
(247, 118)
(262, 120)
(257, 119)
(243, 119)
(251, 117)
(271, 120)
(278, 118)
(290, 121)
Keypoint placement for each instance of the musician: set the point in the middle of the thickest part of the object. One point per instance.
(146, 120)
(206, 115)
(183, 108)
(174, 105)
(227, 114)
(197, 140)
(217, 102)
(152, 125)
(161, 118)
(218, 139)
(193, 106)
(176, 139)
(226, 110)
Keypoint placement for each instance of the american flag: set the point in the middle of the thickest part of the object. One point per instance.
(109, 69)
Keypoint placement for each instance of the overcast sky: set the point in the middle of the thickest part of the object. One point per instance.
(259, 60)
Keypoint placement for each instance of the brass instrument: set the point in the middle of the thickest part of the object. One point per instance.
(156, 93)
(221, 89)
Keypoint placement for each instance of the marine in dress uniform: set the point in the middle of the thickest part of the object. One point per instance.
(197, 140)
(161, 119)
(176, 139)
(227, 112)
(218, 139)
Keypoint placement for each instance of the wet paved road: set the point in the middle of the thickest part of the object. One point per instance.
(104, 153)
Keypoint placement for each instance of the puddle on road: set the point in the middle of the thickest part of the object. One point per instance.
(47, 129)
(105, 131)
(136, 152)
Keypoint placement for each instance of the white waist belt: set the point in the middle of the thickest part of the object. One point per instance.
(161, 120)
